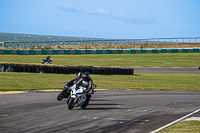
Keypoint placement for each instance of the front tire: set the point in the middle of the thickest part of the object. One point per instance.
(60, 96)
(71, 103)
(68, 99)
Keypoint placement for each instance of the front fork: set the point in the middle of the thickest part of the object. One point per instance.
(75, 97)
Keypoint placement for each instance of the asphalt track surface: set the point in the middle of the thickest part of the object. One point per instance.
(109, 111)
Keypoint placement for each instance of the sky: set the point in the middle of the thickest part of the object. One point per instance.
(113, 19)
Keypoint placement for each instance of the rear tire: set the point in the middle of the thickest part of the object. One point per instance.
(86, 102)
(71, 103)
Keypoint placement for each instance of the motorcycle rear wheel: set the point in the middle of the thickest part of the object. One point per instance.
(86, 102)
(71, 103)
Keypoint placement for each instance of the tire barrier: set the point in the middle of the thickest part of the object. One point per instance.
(4, 67)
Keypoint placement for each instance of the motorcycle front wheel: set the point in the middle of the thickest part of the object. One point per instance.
(71, 103)
(68, 99)
(60, 96)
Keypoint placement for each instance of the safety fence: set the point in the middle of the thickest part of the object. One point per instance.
(10, 67)
(97, 51)
(49, 44)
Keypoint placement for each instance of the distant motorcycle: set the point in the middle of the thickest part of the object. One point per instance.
(65, 93)
(79, 97)
(47, 60)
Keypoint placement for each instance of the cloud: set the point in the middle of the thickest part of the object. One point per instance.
(85, 10)
(107, 13)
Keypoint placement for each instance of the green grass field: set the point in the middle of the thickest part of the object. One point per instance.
(183, 127)
(154, 60)
(138, 81)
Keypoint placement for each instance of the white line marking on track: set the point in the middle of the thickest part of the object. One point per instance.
(182, 118)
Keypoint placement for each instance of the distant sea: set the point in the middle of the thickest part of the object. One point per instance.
(13, 37)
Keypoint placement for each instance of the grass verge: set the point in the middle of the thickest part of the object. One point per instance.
(138, 81)
(183, 127)
(154, 60)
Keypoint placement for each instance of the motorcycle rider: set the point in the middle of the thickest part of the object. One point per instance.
(86, 82)
(78, 77)
(75, 80)
(47, 60)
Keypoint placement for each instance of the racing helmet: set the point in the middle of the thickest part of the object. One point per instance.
(86, 75)
(79, 74)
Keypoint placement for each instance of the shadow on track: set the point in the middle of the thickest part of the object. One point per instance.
(104, 108)
(105, 104)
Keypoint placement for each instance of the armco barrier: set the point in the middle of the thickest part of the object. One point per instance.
(97, 51)
(67, 69)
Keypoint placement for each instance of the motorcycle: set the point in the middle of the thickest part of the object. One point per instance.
(65, 93)
(79, 96)
(47, 60)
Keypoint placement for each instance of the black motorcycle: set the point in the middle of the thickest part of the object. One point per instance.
(47, 60)
(65, 93)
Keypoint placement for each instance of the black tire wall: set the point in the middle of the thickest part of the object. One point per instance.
(69, 69)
